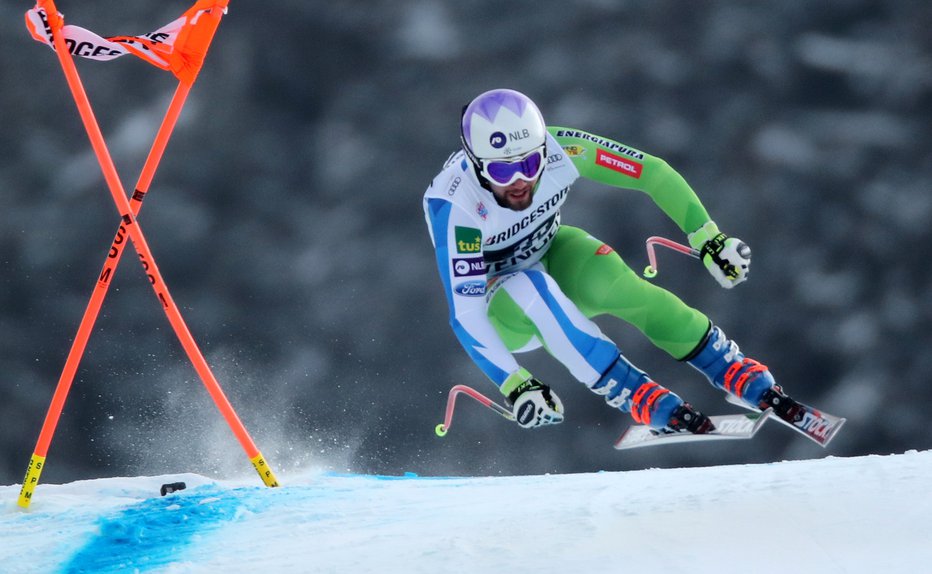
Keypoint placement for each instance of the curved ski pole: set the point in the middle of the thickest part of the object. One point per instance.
(443, 427)
(651, 270)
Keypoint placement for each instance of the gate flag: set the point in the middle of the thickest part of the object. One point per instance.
(179, 47)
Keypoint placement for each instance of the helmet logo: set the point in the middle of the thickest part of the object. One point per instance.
(497, 140)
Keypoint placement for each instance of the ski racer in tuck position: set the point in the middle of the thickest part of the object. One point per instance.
(516, 279)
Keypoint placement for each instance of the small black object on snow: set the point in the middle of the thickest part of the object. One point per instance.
(172, 487)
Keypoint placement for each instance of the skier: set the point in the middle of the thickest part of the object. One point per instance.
(516, 279)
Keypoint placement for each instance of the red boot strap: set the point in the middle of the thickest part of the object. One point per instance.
(743, 379)
(636, 400)
(730, 374)
(648, 408)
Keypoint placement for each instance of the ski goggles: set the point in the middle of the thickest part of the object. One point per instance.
(505, 172)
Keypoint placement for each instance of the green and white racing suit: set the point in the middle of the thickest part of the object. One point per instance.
(516, 280)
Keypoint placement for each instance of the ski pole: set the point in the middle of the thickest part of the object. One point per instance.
(651, 270)
(442, 428)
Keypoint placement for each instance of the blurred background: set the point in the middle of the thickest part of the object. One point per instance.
(286, 219)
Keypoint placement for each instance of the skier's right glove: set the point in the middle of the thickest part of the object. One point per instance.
(535, 405)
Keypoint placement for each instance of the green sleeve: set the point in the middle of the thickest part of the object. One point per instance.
(615, 164)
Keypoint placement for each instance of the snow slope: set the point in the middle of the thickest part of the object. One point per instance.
(865, 514)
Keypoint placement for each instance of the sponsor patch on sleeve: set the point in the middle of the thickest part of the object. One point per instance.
(617, 163)
(470, 289)
(468, 266)
(468, 240)
(574, 150)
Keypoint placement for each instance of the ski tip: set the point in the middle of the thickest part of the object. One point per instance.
(839, 422)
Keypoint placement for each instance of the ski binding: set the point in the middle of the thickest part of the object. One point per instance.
(818, 426)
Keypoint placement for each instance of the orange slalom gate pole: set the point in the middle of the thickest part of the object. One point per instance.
(128, 213)
(101, 289)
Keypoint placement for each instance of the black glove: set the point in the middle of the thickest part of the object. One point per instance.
(726, 258)
(534, 404)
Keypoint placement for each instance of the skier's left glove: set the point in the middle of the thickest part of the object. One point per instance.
(535, 405)
(726, 258)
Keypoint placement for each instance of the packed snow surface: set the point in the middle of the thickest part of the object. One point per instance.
(865, 514)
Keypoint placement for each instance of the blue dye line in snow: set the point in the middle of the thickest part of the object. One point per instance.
(156, 532)
(405, 476)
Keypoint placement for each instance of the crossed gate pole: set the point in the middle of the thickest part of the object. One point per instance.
(130, 227)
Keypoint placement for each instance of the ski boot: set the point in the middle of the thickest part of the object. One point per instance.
(749, 384)
(630, 390)
(726, 367)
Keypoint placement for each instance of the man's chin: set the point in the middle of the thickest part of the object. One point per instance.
(514, 201)
(520, 202)
(520, 205)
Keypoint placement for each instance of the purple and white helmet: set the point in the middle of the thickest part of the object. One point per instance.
(501, 124)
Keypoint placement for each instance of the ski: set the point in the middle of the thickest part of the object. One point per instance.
(727, 427)
(818, 426)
